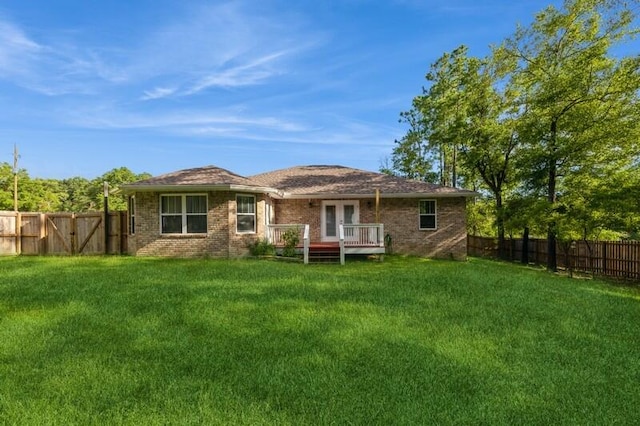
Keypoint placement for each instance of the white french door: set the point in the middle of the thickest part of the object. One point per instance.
(335, 213)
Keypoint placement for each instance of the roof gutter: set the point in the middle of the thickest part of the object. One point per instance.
(333, 196)
(131, 188)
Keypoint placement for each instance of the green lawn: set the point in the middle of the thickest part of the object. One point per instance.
(123, 340)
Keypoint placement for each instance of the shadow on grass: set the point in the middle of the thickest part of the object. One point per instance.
(260, 342)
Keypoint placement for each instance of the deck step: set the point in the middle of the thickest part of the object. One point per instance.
(324, 259)
(324, 255)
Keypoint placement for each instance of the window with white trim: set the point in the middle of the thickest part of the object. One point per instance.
(245, 214)
(427, 215)
(183, 214)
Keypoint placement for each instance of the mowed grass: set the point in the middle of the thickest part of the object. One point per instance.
(123, 340)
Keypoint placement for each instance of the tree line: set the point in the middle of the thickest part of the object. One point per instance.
(76, 194)
(545, 127)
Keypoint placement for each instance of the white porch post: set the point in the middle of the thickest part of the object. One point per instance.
(341, 233)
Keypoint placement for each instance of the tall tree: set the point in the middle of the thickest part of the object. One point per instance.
(579, 101)
(115, 178)
(466, 121)
(437, 123)
(6, 186)
(33, 194)
(491, 131)
(77, 195)
(40, 195)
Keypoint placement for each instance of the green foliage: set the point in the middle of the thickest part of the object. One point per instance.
(480, 217)
(412, 159)
(581, 119)
(78, 195)
(429, 151)
(6, 186)
(114, 178)
(291, 239)
(33, 194)
(550, 122)
(124, 340)
(40, 195)
(262, 247)
(75, 194)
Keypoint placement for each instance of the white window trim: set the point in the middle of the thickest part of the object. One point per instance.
(434, 214)
(255, 216)
(184, 213)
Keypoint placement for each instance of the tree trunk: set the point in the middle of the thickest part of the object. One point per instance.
(500, 224)
(454, 170)
(552, 263)
(443, 165)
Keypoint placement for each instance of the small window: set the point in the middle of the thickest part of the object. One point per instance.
(427, 214)
(183, 214)
(132, 215)
(245, 214)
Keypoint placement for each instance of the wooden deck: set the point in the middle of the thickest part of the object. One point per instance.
(349, 249)
(328, 251)
(354, 239)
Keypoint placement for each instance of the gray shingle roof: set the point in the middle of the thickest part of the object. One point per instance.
(339, 180)
(301, 182)
(208, 176)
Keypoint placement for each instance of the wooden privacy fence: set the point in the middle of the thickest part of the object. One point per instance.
(62, 233)
(618, 259)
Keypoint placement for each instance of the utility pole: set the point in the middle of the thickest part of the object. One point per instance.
(15, 177)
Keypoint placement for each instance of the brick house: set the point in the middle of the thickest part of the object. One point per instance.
(210, 211)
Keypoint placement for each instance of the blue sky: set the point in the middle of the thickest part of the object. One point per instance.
(251, 86)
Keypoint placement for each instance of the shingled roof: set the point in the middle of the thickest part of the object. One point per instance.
(297, 182)
(201, 178)
(332, 181)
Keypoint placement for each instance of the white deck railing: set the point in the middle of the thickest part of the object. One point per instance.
(306, 242)
(364, 235)
(354, 235)
(276, 232)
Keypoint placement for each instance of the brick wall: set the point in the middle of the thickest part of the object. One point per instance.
(449, 240)
(401, 222)
(239, 243)
(221, 229)
(300, 212)
(399, 216)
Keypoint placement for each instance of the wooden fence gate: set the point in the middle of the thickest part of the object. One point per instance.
(62, 233)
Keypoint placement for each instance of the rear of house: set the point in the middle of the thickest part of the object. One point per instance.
(211, 211)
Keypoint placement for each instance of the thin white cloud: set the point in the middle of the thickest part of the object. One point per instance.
(17, 50)
(339, 131)
(230, 78)
(183, 122)
(50, 69)
(13, 38)
(253, 72)
(228, 45)
(204, 38)
(157, 93)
